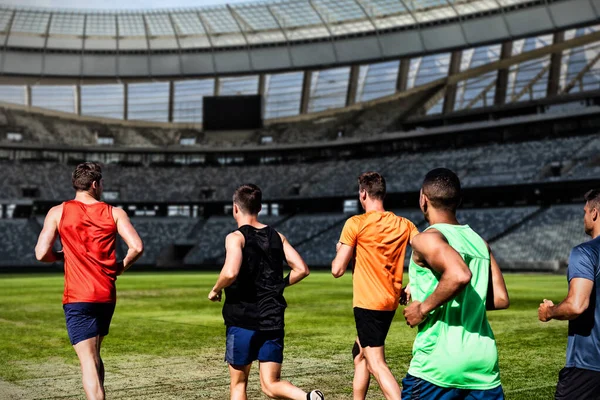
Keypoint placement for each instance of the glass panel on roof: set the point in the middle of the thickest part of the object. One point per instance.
(329, 89)
(131, 25)
(102, 100)
(383, 7)
(295, 14)
(5, 16)
(283, 93)
(188, 99)
(377, 80)
(101, 25)
(238, 85)
(159, 25)
(255, 17)
(148, 101)
(188, 23)
(67, 24)
(59, 98)
(478, 91)
(12, 94)
(30, 22)
(339, 10)
(219, 20)
(465, 7)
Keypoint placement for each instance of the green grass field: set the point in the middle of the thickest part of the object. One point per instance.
(167, 340)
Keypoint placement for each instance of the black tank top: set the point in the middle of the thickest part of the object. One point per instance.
(255, 300)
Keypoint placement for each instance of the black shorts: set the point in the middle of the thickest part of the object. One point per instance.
(372, 326)
(87, 320)
(578, 384)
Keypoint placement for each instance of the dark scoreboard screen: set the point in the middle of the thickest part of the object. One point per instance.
(224, 113)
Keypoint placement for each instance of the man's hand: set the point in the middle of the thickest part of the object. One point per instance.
(544, 310)
(414, 314)
(120, 268)
(215, 296)
(405, 295)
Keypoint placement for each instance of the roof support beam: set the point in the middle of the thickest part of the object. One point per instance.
(117, 46)
(4, 47)
(77, 100)
(481, 96)
(148, 52)
(417, 23)
(206, 28)
(178, 44)
(450, 95)
(352, 85)
(502, 79)
(555, 66)
(527, 88)
(581, 74)
(316, 10)
(125, 101)
(402, 80)
(364, 10)
(527, 56)
(238, 22)
(46, 36)
(171, 100)
(306, 84)
(287, 39)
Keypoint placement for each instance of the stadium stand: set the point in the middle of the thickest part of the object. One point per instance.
(549, 236)
(210, 239)
(18, 237)
(157, 233)
(481, 166)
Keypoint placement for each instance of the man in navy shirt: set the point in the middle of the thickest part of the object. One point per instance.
(580, 379)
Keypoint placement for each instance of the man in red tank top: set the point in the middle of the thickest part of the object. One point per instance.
(88, 231)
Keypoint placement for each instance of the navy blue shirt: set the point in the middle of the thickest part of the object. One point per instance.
(583, 347)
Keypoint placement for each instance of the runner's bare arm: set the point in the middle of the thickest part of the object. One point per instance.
(299, 268)
(342, 257)
(434, 251)
(135, 246)
(43, 248)
(577, 301)
(234, 243)
(497, 298)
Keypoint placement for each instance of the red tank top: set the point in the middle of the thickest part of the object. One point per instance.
(88, 234)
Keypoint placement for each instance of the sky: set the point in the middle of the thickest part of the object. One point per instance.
(116, 4)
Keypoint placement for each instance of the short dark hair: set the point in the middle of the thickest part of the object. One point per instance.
(248, 198)
(593, 197)
(373, 183)
(85, 174)
(442, 188)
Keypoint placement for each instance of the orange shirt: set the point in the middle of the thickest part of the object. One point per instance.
(380, 240)
(88, 234)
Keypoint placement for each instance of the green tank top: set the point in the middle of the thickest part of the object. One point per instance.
(455, 346)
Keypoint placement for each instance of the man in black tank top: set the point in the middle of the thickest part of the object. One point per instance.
(254, 305)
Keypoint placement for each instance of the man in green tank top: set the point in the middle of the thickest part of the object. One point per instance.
(454, 278)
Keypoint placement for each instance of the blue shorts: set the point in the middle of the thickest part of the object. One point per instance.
(416, 389)
(87, 320)
(244, 346)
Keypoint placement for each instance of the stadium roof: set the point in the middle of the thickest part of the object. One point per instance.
(253, 23)
(263, 36)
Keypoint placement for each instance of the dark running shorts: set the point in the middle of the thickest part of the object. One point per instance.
(414, 388)
(87, 320)
(243, 346)
(578, 384)
(372, 326)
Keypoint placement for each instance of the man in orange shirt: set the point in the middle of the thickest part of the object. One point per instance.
(88, 231)
(377, 241)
